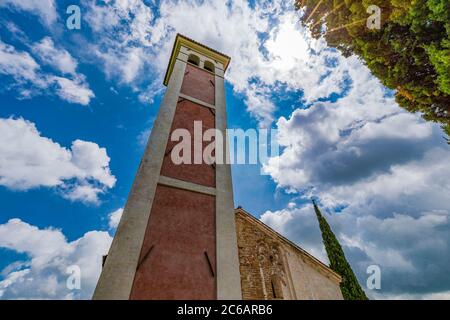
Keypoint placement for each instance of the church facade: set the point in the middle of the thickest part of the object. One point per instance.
(272, 267)
(179, 236)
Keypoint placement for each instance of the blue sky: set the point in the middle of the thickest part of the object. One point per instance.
(78, 105)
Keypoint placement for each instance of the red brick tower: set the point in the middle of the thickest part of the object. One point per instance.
(177, 236)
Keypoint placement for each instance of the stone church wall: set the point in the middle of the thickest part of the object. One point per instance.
(272, 267)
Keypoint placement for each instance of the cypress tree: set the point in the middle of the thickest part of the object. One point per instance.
(350, 288)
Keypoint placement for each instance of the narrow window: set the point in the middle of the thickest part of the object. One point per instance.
(273, 290)
(194, 59)
(209, 66)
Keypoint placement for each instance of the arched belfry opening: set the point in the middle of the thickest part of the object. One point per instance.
(208, 65)
(194, 59)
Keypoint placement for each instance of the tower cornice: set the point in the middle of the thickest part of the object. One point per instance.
(195, 46)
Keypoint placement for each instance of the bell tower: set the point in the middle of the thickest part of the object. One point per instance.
(177, 235)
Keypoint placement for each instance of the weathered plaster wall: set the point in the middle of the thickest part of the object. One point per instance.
(199, 84)
(186, 114)
(177, 259)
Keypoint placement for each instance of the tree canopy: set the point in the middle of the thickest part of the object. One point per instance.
(409, 53)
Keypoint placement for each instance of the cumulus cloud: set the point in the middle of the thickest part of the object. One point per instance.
(29, 78)
(50, 257)
(124, 45)
(361, 155)
(45, 9)
(135, 45)
(30, 160)
(285, 56)
(355, 137)
(114, 218)
(61, 59)
(412, 252)
(20, 65)
(381, 173)
(74, 91)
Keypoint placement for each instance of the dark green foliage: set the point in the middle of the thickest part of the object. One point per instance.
(350, 288)
(410, 53)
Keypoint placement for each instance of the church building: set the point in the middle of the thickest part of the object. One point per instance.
(179, 236)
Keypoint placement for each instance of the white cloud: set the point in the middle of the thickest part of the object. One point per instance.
(93, 160)
(123, 48)
(381, 168)
(411, 252)
(142, 138)
(84, 193)
(381, 172)
(30, 80)
(45, 9)
(133, 64)
(30, 160)
(357, 135)
(133, 40)
(49, 254)
(61, 59)
(11, 278)
(20, 65)
(74, 91)
(287, 56)
(114, 218)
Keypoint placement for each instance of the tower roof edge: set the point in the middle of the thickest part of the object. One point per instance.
(195, 46)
